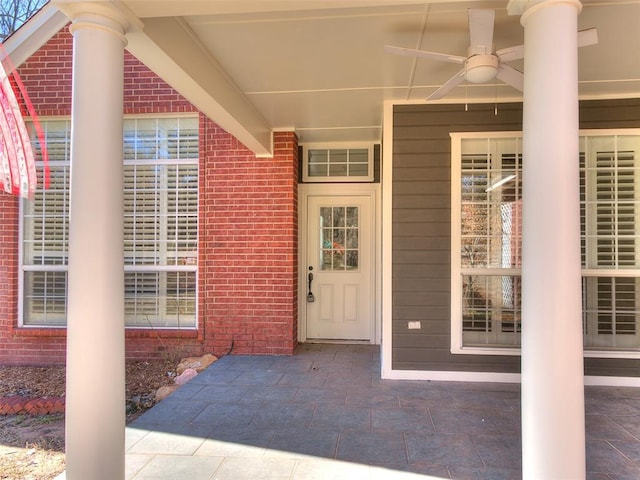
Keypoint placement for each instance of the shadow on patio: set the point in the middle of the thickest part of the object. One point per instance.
(324, 413)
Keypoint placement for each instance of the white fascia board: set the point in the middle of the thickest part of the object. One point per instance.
(169, 48)
(31, 36)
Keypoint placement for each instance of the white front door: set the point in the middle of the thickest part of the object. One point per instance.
(338, 273)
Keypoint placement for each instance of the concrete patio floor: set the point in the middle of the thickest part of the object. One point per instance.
(324, 413)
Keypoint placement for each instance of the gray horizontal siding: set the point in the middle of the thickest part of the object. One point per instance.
(421, 229)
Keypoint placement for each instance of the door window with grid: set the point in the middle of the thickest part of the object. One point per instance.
(160, 226)
(339, 232)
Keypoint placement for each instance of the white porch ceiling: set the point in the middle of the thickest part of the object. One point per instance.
(319, 67)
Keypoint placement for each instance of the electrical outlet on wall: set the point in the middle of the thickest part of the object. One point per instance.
(414, 325)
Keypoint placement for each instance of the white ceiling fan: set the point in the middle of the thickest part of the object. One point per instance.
(482, 64)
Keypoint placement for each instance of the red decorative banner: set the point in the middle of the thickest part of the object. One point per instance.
(17, 158)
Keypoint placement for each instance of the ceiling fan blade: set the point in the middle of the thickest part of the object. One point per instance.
(410, 52)
(510, 76)
(444, 89)
(481, 31)
(511, 53)
(587, 37)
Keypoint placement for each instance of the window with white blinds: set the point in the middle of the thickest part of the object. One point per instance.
(486, 231)
(490, 173)
(610, 192)
(160, 226)
(45, 233)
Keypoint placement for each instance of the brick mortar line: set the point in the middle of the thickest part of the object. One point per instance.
(20, 405)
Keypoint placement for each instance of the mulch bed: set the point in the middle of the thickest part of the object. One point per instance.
(40, 390)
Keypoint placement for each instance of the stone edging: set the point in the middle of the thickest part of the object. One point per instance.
(20, 405)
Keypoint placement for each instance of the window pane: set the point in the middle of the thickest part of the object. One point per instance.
(611, 312)
(338, 217)
(339, 237)
(145, 143)
(352, 238)
(181, 297)
(56, 135)
(160, 299)
(142, 214)
(338, 156)
(338, 162)
(339, 170)
(491, 310)
(490, 238)
(142, 298)
(491, 206)
(358, 170)
(352, 216)
(46, 221)
(44, 298)
(352, 260)
(160, 225)
(318, 156)
(360, 155)
(609, 202)
(318, 170)
(182, 215)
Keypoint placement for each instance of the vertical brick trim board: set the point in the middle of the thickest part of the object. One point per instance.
(248, 245)
(247, 278)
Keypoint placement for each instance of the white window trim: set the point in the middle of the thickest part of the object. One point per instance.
(21, 267)
(336, 146)
(456, 267)
(127, 268)
(456, 264)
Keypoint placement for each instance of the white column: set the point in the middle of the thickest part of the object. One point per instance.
(95, 398)
(553, 435)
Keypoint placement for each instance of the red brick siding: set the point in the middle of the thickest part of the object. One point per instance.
(248, 246)
(248, 229)
(47, 76)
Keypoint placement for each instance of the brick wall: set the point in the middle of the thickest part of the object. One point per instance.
(248, 228)
(47, 76)
(248, 246)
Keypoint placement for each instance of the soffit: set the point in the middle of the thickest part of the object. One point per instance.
(319, 66)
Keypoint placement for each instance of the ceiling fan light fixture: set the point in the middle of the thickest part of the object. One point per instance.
(481, 68)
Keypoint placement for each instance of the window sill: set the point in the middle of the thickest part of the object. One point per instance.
(40, 331)
(622, 354)
(161, 333)
(485, 351)
(129, 332)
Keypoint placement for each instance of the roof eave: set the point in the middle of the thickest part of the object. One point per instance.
(31, 36)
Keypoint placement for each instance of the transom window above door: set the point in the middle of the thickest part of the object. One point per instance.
(338, 163)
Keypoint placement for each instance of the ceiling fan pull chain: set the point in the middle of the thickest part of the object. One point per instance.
(466, 90)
